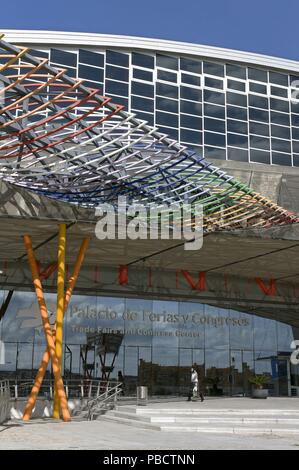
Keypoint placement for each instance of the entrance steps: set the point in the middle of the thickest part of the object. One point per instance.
(208, 420)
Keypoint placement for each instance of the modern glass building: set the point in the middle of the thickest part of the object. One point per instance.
(229, 105)
(159, 341)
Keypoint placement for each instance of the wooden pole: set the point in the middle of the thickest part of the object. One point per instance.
(46, 356)
(59, 309)
(47, 328)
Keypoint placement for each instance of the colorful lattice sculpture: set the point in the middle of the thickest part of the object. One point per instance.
(66, 141)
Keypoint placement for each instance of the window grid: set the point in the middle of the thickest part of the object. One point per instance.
(200, 75)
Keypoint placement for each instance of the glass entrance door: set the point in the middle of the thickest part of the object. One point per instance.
(284, 376)
(241, 368)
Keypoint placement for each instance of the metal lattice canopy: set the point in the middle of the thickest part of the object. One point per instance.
(63, 140)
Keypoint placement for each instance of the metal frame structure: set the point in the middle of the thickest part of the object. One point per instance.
(63, 140)
(66, 141)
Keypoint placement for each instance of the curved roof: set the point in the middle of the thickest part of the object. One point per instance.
(36, 37)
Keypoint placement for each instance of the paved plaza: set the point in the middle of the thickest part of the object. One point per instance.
(106, 434)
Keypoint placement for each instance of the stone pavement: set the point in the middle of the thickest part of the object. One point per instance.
(109, 435)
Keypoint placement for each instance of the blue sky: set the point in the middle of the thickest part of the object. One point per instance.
(264, 26)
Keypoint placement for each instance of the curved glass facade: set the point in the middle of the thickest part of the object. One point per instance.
(158, 343)
(224, 110)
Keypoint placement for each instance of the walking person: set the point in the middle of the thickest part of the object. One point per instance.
(121, 382)
(194, 390)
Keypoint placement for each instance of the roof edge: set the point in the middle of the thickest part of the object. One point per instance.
(34, 37)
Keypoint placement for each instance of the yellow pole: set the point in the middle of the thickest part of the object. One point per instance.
(59, 308)
(46, 356)
(47, 328)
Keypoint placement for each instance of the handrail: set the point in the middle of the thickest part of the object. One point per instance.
(84, 388)
(4, 400)
(108, 395)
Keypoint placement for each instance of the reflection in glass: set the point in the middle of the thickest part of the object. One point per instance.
(239, 155)
(143, 60)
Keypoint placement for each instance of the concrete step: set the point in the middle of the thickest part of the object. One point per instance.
(129, 422)
(209, 427)
(233, 419)
(246, 421)
(144, 410)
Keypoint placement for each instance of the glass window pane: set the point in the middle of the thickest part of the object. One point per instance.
(281, 159)
(92, 58)
(259, 142)
(120, 100)
(171, 132)
(167, 76)
(258, 101)
(167, 105)
(142, 103)
(264, 333)
(116, 88)
(293, 78)
(279, 105)
(279, 78)
(167, 62)
(117, 73)
(280, 132)
(142, 89)
(131, 362)
(190, 79)
(213, 83)
(258, 128)
(192, 137)
(191, 122)
(237, 113)
(295, 146)
(239, 155)
(166, 90)
(283, 92)
(295, 120)
(258, 115)
(214, 139)
(295, 107)
(166, 119)
(281, 145)
(280, 118)
(191, 107)
(36, 53)
(63, 57)
(236, 99)
(258, 88)
(295, 133)
(214, 97)
(91, 73)
(237, 126)
(237, 140)
(258, 156)
(145, 117)
(213, 69)
(190, 65)
(143, 75)
(214, 111)
(71, 72)
(143, 60)
(235, 85)
(236, 71)
(257, 74)
(215, 125)
(214, 152)
(241, 330)
(98, 86)
(188, 93)
(117, 58)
